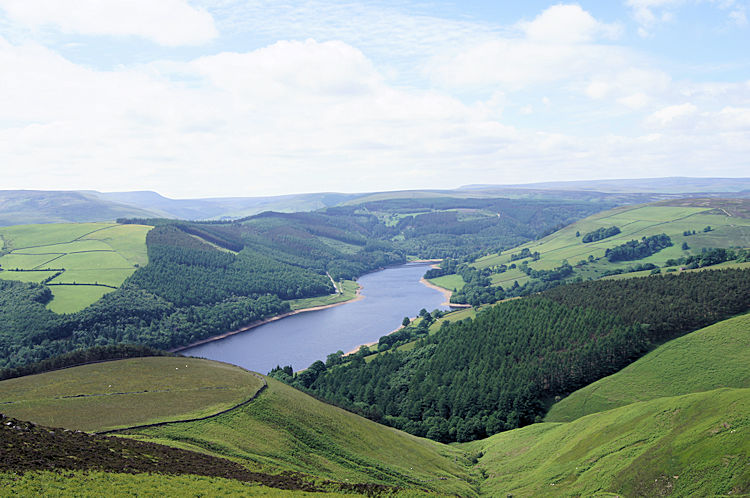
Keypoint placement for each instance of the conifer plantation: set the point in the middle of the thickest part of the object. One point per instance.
(501, 370)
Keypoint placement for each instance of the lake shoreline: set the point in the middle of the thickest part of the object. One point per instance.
(258, 323)
(426, 283)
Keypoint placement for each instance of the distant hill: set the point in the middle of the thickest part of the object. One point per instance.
(37, 206)
(669, 185)
(224, 207)
(685, 221)
(22, 207)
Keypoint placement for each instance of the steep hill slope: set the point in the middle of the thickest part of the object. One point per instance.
(691, 445)
(285, 429)
(710, 358)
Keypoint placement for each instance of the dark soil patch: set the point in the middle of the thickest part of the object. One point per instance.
(25, 446)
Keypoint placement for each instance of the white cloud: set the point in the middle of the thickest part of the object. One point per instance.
(671, 114)
(649, 13)
(166, 22)
(559, 48)
(567, 24)
(635, 100)
(738, 17)
(304, 115)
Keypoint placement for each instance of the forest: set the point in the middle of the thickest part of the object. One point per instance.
(206, 278)
(638, 249)
(600, 234)
(501, 370)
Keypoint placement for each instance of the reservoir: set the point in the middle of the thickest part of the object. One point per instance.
(298, 340)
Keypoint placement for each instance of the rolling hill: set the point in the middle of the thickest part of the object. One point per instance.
(282, 430)
(691, 445)
(727, 221)
(710, 358)
(124, 393)
(23, 207)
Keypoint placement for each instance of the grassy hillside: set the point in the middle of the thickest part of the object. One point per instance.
(127, 392)
(285, 429)
(691, 445)
(45, 461)
(95, 484)
(79, 261)
(730, 227)
(713, 357)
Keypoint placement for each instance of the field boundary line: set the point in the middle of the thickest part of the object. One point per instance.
(196, 419)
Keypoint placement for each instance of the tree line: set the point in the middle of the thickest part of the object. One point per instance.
(499, 371)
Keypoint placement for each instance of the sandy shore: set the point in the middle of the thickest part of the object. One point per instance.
(258, 323)
(443, 290)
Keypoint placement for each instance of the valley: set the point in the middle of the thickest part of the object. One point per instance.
(604, 378)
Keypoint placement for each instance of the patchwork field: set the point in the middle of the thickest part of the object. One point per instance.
(129, 392)
(79, 261)
(728, 228)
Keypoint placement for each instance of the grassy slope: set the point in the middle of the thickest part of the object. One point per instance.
(97, 484)
(691, 445)
(635, 222)
(450, 282)
(713, 357)
(103, 254)
(285, 429)
(173, 392)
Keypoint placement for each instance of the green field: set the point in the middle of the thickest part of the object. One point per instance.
(285, 429)
(70, 298)
(126, 392)
(450, 282)
(691, 445)
(709, 358)
(634, 222)
(101, 255)
(347, 291)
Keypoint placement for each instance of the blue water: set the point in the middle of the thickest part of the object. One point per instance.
(299, 340)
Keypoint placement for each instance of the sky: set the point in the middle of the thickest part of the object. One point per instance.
(215, 98)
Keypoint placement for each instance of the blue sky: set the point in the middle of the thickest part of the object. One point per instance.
(247, 98)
